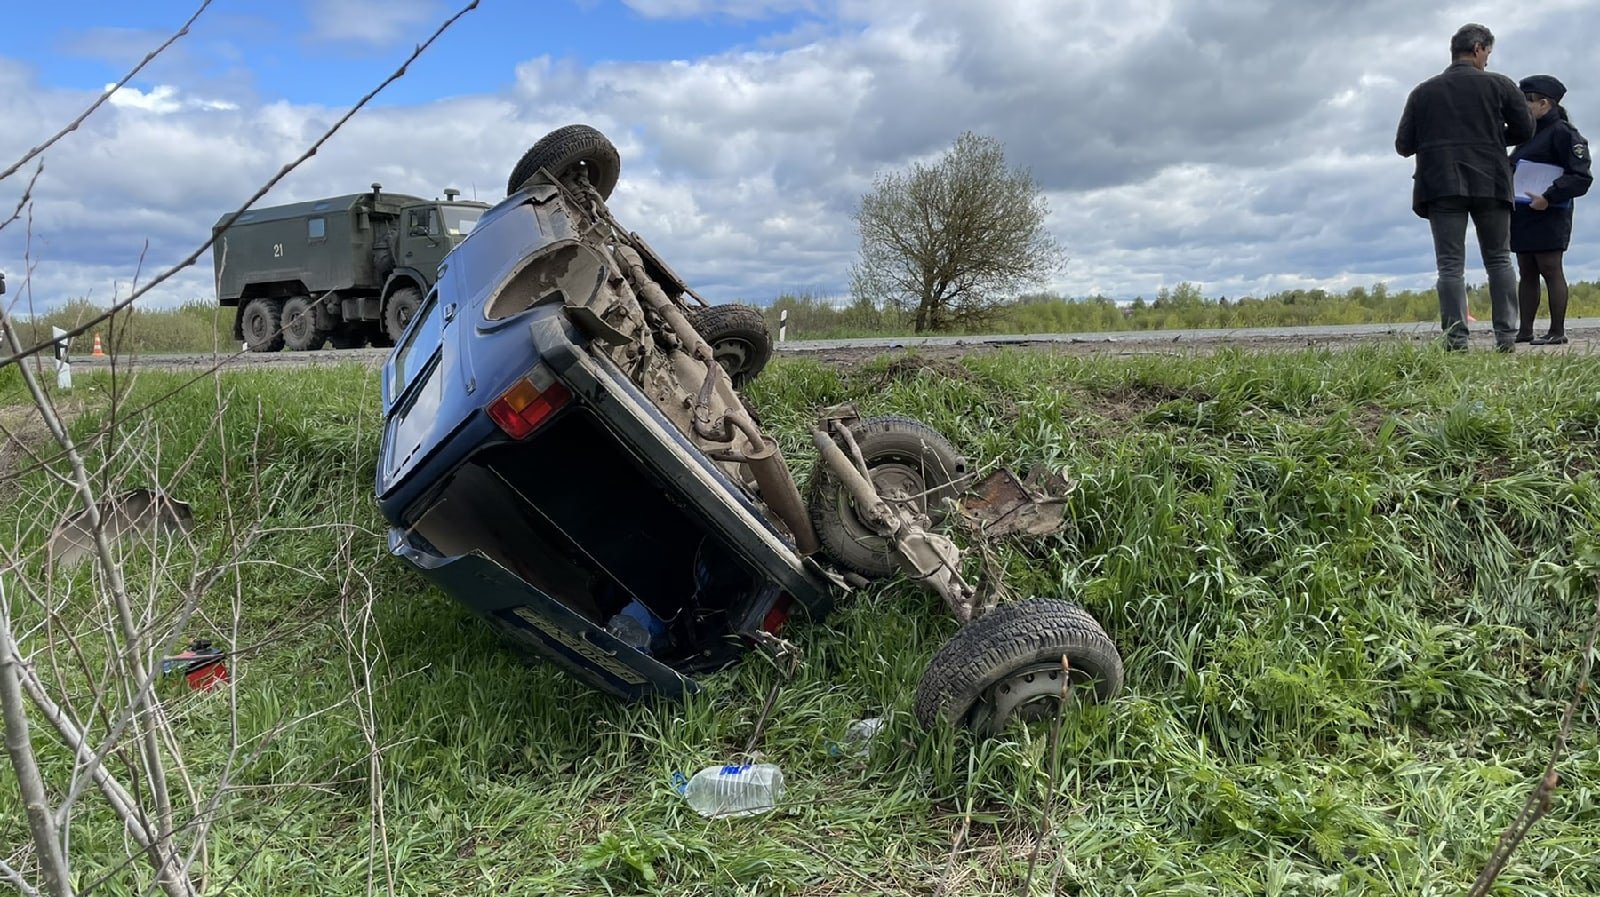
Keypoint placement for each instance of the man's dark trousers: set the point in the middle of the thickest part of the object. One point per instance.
(1491, 220)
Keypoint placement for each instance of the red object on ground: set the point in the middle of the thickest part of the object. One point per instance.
(205, 677)
(203, 666)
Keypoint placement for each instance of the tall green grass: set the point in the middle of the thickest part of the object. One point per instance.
(1349, 588)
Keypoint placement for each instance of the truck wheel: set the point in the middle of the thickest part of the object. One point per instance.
(260, 322)
(565, 147)
(402, 305)
(738, 338)
(1006, 667)
(911, 464)
(300, 333)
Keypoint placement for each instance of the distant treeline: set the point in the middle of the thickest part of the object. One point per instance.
(200, 326)
(192, 327)
(1182, 307)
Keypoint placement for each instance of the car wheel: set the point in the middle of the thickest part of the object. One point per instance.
(563, 148)
(911, 464)
(402, 305)
(738, 338)
(300, 333)
(1005, 667)
(261, 323)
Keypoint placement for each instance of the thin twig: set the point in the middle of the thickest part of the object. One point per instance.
(1045, 820)
(27, 195)
(73, 125)
(786, 656)
(11, 875)
(273, 182)
(943, 887)
(1539, 800)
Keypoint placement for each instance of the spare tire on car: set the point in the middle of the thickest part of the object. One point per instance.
(738, 338)
(1006, 666)
(565, 148)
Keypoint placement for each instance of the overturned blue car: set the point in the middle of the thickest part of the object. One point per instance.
(566, 452)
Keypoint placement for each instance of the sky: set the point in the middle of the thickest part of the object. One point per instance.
(1242, 145)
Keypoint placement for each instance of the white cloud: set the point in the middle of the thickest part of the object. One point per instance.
(742, 9)
(163, 99)
(376, 22)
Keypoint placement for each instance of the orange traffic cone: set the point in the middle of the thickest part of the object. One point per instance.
(98, 351)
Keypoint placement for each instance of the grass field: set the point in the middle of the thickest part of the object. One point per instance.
(1350, 588)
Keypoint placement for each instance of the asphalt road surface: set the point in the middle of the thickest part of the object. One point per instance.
(1584, 332)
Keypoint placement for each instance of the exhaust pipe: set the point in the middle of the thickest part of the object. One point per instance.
(764, 459)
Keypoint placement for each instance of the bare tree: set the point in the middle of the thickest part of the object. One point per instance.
(80, 656)
(952, 241)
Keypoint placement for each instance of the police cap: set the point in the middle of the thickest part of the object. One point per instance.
(1545, 86)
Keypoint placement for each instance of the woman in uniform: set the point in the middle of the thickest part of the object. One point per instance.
(1551, 169)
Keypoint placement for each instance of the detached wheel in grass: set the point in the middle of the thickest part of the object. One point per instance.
(738, 338)
(911, 464)
(397, 314)
(1006, 667)
(300, 332)
(561, 150)
(261, 323)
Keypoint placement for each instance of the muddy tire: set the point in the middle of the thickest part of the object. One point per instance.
(738, 337)
(348, 336)
(397, 313)
(906, 458)
(564, 148)
(1006, 667)
(299, 319)
(261, 323)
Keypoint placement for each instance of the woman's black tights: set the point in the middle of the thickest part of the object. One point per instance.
(1530, 267)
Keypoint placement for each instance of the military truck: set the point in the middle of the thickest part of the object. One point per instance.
(347, 269)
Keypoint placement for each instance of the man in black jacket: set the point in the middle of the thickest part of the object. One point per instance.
(1458, 125)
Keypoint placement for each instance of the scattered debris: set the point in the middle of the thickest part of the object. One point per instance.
(858, 738)
(204, 667)
(1001, 505)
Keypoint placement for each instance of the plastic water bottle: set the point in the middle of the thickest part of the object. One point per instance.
(724, 791)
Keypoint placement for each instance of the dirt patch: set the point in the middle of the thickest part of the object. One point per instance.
(1132, 402)
(1369, 419)
(909, 367)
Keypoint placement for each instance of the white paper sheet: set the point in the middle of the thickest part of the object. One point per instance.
(1535, 178)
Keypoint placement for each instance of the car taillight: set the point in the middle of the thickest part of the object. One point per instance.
(528, 403)
(777, 615)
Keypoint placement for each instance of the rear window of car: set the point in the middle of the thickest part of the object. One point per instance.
(419, 342)
(496, 245)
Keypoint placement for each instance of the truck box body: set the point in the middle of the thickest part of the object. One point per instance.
(305, 248)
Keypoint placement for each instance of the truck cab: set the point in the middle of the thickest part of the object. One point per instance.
(428, 231)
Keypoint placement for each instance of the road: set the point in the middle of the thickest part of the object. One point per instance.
(1585, 334)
